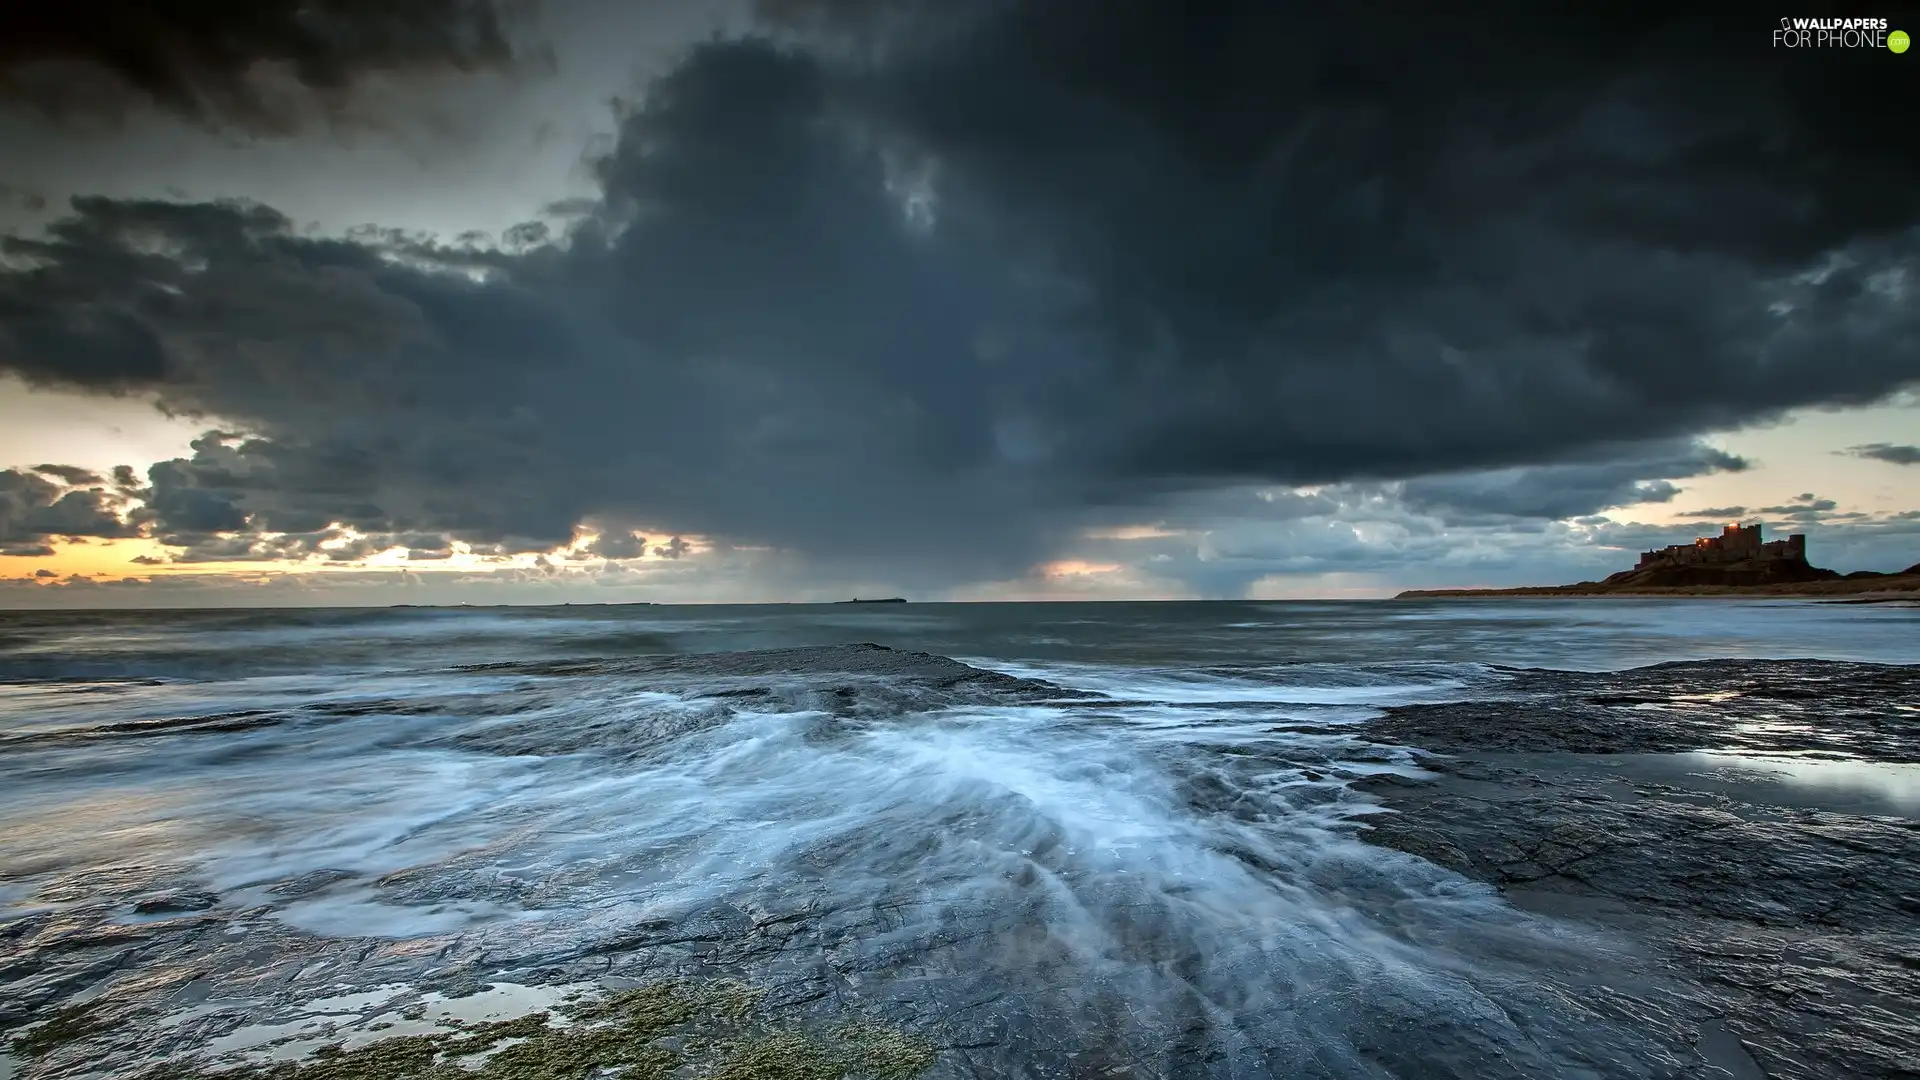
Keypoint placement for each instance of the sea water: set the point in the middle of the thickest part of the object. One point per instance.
(1163, 824)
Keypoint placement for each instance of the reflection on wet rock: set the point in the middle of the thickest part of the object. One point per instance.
(868, 861)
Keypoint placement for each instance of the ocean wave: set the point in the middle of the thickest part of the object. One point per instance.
(1139, 848)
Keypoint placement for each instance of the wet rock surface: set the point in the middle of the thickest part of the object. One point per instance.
(1867, 711)
(1653, 931)
(180, 995)
(1797, 927)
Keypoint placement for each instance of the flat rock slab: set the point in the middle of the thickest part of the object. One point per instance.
(1710, 936)
(1799, 927)
(1865, 711)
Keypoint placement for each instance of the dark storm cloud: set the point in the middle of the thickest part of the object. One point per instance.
(204, 548)
(256, 65)
(436, 489)
(332, 544)
(424, 547)
(1806, 500)
(1568, 490)
(79, 513)
(1805, 507)
(71, 474)
(1887, 452)
(617, 544)
(1322, 243)
(954, 282)
(32, 507)
(178, 504)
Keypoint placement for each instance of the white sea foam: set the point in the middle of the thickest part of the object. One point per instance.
(1253, 685)
(337, 826)
(1186, 835)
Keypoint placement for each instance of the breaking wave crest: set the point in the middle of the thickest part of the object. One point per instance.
(1169, 860)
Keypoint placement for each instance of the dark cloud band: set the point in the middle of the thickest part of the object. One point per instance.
(950, 284)
(262, 66)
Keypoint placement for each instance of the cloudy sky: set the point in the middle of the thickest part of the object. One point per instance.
(349, 301)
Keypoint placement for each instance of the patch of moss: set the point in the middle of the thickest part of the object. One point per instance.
(785, 1055)
(68, 1025)
(862, 1049)
(885, 1053)
(650, 1032)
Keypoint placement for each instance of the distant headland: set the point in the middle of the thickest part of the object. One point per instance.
(1735, 563)
(884, 600)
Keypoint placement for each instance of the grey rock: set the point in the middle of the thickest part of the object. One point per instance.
(175, 903)
(1796, 931)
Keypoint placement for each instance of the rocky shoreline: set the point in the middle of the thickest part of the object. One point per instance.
(1658, 922)
(1795, 925)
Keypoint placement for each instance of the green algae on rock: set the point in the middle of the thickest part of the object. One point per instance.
(871, 1051)
(884, 1052)
(68, 1025)
(650, 1032)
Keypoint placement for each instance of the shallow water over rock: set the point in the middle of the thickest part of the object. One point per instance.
(1030, 866)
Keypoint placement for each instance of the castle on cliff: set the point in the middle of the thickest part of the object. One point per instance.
(1736, 543)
